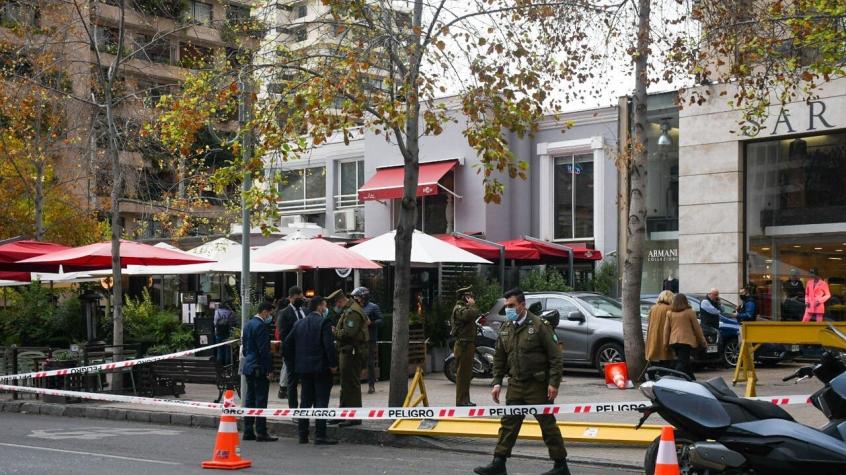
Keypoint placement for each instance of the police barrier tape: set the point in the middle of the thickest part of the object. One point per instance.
(382, 413)
(109, 366)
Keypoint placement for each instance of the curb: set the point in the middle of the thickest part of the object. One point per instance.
(365, 434)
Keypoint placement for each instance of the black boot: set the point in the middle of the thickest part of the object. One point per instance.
(560, 468)
(497, 467)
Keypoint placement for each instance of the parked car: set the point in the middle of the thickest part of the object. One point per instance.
(769, 354)
(590, 328)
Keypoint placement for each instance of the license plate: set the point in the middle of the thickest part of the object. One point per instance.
(712, 349)
(794, 348)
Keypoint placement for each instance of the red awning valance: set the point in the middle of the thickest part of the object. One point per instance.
(386, 184)
(550, 250)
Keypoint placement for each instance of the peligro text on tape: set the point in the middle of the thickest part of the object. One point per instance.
(109, 366)
(381, 413)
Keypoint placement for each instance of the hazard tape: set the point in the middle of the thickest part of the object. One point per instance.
(384, 413)
(109, 366)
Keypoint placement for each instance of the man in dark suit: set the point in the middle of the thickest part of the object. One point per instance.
(285, 321)
(258, 364)
(310, 352)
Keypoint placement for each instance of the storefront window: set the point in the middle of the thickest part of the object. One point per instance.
(796, 222)
(574, 197)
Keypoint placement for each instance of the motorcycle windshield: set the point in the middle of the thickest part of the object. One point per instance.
(693, 402)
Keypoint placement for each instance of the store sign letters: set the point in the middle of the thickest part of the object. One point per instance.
(814, 117)
(663, 255)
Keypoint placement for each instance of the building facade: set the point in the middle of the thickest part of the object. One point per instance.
(763, 210)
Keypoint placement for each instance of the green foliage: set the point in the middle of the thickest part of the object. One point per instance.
(540, 280)
(605, 279)
(436, 322)
(145, 323)
(28, 319)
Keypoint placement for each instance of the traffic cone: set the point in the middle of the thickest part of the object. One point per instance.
(227, 449)
(617, 376)
(666, 463)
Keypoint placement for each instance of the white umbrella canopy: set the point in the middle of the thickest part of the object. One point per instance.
(425, 249)
(228, 262)
(217, 249)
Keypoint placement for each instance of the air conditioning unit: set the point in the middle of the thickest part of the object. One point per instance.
(292, 221)
(346, 221)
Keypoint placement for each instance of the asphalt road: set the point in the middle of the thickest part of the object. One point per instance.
(32, 444)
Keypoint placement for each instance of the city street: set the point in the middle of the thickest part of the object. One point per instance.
(38, 444)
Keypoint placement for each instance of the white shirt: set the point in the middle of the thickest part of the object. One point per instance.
(522, 319)
(298, 312)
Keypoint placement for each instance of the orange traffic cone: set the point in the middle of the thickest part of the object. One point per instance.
(667, 463)
(617, 376)
(227, 449)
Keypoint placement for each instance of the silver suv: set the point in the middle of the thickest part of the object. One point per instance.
(590, 327)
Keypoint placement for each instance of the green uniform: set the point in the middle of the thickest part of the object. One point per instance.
(351, 334)
(528, 354)
(464, 331)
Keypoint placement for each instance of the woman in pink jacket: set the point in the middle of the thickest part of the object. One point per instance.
(816, 295)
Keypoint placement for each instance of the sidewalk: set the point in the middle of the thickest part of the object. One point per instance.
(577, 387)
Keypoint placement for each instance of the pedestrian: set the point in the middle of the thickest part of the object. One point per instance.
(310, 352)
(285, 321)
(257, 367)
(527, 352)
(658, 351)
(463, 329)
(374, 315)
(224, 321)
(684, 334)
(710, 309)
(816, 295)
(748, 310)
(352, 336)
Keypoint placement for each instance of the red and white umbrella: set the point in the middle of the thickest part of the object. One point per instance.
(314, 253)
(99, 256)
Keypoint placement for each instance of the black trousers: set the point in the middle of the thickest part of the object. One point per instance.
(258, 387)
(684, 359)
(316, 388)
(293, 380)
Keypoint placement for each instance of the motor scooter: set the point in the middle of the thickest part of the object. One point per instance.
(483, 358)
(718, 432)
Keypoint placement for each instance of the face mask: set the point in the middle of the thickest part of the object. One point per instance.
(337, 309)
(325, 312)
(511, 314)
(268, 318)
(298, 303)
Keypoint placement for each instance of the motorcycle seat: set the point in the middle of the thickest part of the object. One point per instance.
(742, 409)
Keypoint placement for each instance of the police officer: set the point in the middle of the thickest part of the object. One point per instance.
(527, 352)
(463, 323)
(351, 334)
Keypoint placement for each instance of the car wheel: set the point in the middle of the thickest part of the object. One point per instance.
(683, 444)
(449, 369)
(731, 352)
(608, 353)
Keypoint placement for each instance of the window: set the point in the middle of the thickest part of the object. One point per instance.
(106, 39)
(303, 189)
(237, 14)
(350, 179)
(157, 51)
(603, 307)
(300, 34)
(300, 10)
(152, 92)
(194, 56)
(573, 205)
(199, 12)
(563, 306)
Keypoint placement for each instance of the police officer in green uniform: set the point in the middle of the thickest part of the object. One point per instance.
(527, 352)
(463, 322)
(351, 334)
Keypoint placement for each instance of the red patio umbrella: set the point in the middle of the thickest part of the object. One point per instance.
(485, 251)
(520, 250)
(18, 276)
(314, 253)
(12, 252)
(541, 249)
(99, 256)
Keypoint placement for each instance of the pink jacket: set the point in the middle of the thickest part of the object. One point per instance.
(816, 295)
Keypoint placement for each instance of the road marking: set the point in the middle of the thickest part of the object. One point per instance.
(95, 433)
(75, 452)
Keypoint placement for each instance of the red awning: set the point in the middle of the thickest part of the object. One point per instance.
(386, 184)
(485, 251)
(19, 250)
(551, 250)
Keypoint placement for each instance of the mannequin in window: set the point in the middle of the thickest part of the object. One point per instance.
(793, 307)
(671, 284)
(816, 295)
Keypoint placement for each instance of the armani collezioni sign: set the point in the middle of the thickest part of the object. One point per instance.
(793, 119)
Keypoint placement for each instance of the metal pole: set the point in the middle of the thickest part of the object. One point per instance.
(246, 150)
(490, 243)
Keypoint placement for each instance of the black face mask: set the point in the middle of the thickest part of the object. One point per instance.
(298, 303)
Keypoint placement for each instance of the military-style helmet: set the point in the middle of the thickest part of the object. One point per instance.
(360, 292)
(460, 293)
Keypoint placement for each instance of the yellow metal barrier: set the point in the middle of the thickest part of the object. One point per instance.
(755, 334)
(623, 434)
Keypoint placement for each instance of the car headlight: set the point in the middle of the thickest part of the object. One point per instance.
(647, 390)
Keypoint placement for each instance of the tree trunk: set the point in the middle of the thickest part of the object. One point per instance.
(39, 200)
(405, 231)
(636, 225)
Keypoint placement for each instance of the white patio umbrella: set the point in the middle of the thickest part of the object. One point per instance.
(425, 249)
